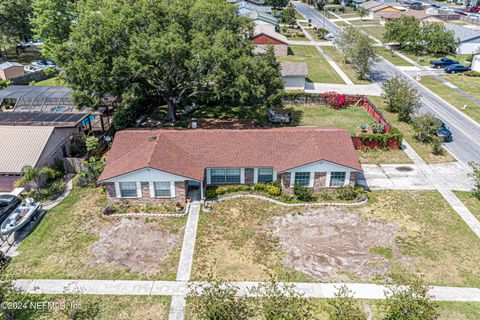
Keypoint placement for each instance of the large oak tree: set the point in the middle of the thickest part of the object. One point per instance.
(175, 52)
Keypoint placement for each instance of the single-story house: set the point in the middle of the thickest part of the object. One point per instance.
(468, 40)
(162, 164)
(259, 14)
(11, 70)
(294, 75)
(375, 7)
(420, 15)
(265, 35)
(34, 139)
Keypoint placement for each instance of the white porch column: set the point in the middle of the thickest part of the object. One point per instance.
(242, 175)
(118, 193)
(255, 175)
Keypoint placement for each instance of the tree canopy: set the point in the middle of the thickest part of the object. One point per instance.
(357, 49)
(52, 21)
(175, 52)
(417, 37)
(15, 21)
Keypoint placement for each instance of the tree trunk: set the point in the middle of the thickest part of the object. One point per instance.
(171, 109)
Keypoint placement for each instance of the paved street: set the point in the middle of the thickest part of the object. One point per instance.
(466, 144)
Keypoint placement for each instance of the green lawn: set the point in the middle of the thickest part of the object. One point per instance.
(60, 247)
(443, 248)
(453, 97)
(55, 81)
(376, 32)
(470, 201)
(337, 56)
(234, 241)
(424, 150)
(318, 68)
(341, 23)
(470, 85)
(392, 57)
(382, 156)
(364, 22)
(25, 57)
(104, 307)
(320, 115)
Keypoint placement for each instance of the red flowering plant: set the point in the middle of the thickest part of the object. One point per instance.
(334, 100)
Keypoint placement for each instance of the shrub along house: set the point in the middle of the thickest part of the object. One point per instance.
(161, 165)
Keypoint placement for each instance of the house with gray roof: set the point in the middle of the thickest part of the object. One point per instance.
(11, 70)
(468, 40)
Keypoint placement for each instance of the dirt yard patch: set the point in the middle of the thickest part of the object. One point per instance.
(328, 244)
(135, 245)
(74, 241)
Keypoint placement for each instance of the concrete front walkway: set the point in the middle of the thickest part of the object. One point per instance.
(177, 305)
(180, 288)
(335, 67)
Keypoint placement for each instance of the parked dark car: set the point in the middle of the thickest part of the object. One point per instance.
(8, 202)
(456, 68)
(444, 132)
(442, 63)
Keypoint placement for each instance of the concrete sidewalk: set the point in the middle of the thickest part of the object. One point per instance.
(373, 89)
(336, 67)
(180, 288)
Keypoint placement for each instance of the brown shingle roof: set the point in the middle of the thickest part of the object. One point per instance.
(188, 153)
(269, 31)
(293, 69)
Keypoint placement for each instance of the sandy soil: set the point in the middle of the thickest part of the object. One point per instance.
(134, 245)
(331, 244)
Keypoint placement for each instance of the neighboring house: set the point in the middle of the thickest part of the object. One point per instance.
(375, 7)
(259, 14)
(34, 139)
(387, 16)
(265, 35)
(11, 70)
(53, 99)
(468, 40)
(161, 165)
(294, 75)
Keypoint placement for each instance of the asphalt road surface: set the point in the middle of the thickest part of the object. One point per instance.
(466, 132)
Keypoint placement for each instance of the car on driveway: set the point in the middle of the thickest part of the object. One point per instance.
(456, 68)
(442, 63)
(444, 132)
(8, 202)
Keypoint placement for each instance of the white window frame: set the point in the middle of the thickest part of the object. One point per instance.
(309, 178)
(345, 181)
(241, 172)
(258, 173)
(169, 189)
(138, 188)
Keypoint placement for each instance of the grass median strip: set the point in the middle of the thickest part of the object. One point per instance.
(470, 201)
(392, 57)
(319, 70)
(337, 56)
(376, 32)
(424, 150)
(453, 97)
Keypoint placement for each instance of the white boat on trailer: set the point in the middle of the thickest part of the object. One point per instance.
(19, 217)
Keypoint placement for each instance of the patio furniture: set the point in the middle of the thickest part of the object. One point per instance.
(279, 118)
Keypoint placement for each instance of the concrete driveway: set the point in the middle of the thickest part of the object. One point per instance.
(452, 175)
